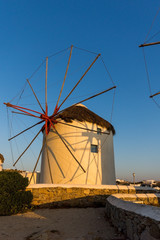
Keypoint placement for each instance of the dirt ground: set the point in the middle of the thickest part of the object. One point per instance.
(58, 224)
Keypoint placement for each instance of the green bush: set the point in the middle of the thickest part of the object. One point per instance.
(13, 197)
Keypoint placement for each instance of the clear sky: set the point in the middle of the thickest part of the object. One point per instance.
(32, 30)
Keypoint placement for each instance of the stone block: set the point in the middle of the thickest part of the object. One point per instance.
(154, 230)
(135, 237)
(69, 190)
(87, 191)
(146, 236)
(129, 228)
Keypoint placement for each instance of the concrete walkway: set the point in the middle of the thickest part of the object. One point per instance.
(58, 224)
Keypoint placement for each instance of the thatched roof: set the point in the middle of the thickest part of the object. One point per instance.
(81, 113)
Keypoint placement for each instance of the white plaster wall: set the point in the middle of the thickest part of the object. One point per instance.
(62, 167)
(107, 152)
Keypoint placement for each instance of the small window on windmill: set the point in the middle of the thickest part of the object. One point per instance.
(99, 131)
(94, 148)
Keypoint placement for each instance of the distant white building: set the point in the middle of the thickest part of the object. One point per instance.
(148, 183)
(92, 149)
(35, 178)
(28, 174)
(1, 162)
(120, 180)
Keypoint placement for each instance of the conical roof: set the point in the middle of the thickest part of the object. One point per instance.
(81, 113)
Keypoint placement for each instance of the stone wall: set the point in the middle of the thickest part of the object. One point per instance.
(56, 195)
(142, 198)
(136, 221)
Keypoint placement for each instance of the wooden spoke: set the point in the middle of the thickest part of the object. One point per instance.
(23, 110)
(22, 113)
(25, 130)
(107, 90)
(48, 159)
(27, 148)
(46, 106)
(20, 108)
(37, 161)
(80, 79)
(149, 44)
(69, 150)
(81, 159)
(87, 129)
(65, 75)
(56, 163)
(35, 96)
(154, 94)
(46, 84)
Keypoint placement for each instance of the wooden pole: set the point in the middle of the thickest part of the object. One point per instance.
(49, 166)
(149, 44)
(109, 89)
(27, 147)
(46, 84)
(25, 114)
(35, 96)
(37, 161)
(96, 95)
(154, 95)
(25, 130)
(65, 75)
(80, 79)
(46, 107)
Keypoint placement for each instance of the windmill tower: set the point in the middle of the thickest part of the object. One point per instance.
(90, 138)
(77, 144)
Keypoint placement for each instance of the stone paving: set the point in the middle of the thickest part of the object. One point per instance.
(59, 224)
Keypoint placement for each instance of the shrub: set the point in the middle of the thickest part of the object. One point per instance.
(13, 197)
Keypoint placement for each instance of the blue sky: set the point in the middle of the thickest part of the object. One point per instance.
(32, 30)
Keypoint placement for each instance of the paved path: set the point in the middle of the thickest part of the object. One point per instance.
(58, 224)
